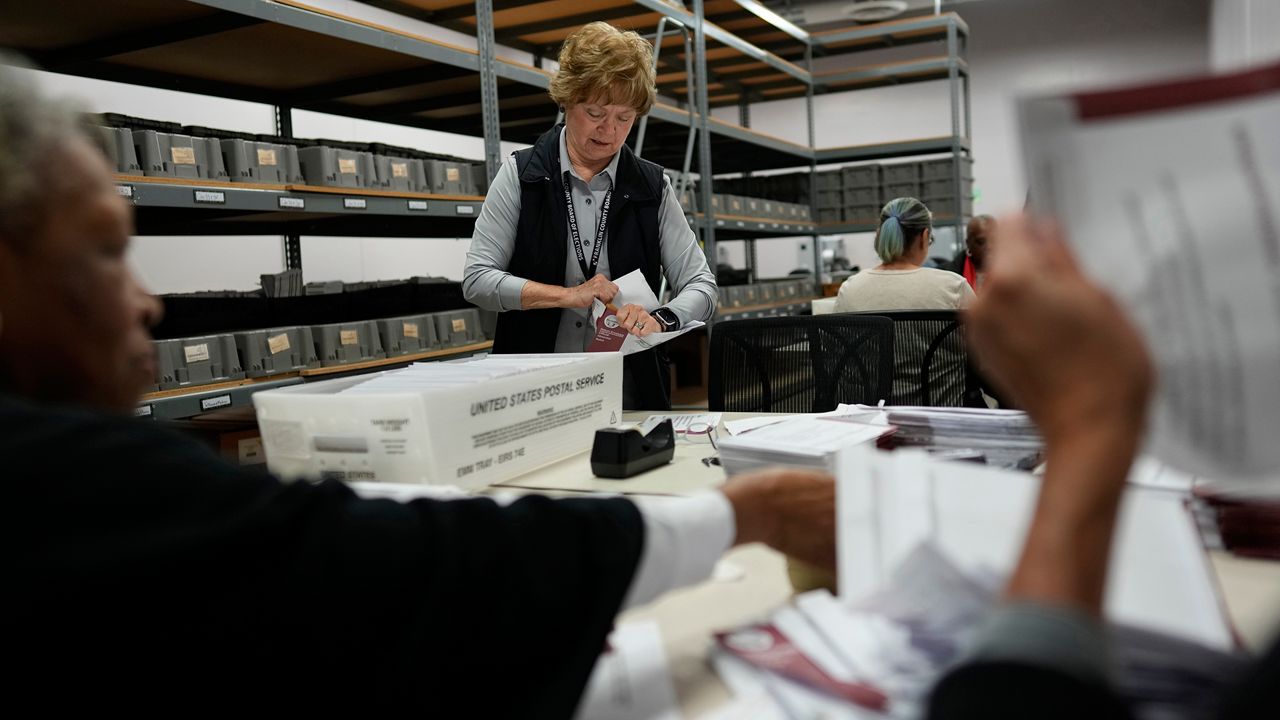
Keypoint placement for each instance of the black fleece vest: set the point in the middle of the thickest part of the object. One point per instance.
(542, 249)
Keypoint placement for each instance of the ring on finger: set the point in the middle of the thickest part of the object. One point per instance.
(640, 325)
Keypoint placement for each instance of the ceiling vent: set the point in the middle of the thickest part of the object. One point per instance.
(874, 10)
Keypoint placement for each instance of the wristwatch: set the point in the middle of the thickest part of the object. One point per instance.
(666, 319)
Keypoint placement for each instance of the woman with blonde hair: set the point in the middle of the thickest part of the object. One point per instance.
(579, 209)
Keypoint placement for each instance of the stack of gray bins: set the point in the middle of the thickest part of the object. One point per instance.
(334, 167)
(162, 154)
(829, 196)
(274, 351)
(403, 174)
(119, 146)
(196, 361)
(938, 187)
(900, 180)
(282, 284)
(261, 162)
(458, 327)
(347, 343)
(861, 193)
(408, 334)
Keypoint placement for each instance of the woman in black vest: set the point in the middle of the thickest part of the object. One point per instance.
(578, 208)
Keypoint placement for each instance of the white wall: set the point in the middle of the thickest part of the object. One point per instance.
(1016, 47)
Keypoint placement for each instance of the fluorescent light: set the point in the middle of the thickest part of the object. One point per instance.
(774, 19)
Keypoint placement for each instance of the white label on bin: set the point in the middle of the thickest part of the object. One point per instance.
(349, 337)
(355, 203)
(417, 204)
(411, 330)
(215, 402)
(459, 325)
(183, 155)
(215, 197)
(266, 156)
(125, 190)
(250, 451)
(466, 210)
(451, 174)
(347, 166)
(293, 203)
(196, 353)
(278, 343)
(400, 170)
(142, 411)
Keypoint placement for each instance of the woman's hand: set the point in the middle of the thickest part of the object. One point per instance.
(636, 321)
(581, 296)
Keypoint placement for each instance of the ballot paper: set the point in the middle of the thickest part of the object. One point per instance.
(631, 680)
(898, 641)
(1170, 195)
(805, 441)
(612, 337)
(889, 502)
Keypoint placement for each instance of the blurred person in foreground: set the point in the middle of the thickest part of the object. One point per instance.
(1066, 352)
(145, 573)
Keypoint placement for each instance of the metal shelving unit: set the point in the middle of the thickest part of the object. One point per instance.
(288, 54)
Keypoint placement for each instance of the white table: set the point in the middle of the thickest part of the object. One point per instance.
(689, 617)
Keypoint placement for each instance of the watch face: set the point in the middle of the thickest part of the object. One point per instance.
(667, 318)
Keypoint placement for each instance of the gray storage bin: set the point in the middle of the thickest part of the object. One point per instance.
(828, 199)
(735, 205)
(347, 343)
(948, 206)
(209, 158)
(330, 167)
(120, 148)
(805, 212)
(786, 290)
(863, 213)
(829, 216)
(828, 180)
(735, 296)
(750, 295)
(448, 178)
(900, 173)
(893, 191)
(325, 287)
(167, 155)
(260, 162)
(860, 176)
(489, 323)
(458, 327)
(753, 207)
(861, 196)
(765, 293)
(196, 361)
(946, 188)
(404, 174)
(276, 350)
(944, 169)
(408, 334)
(282, 284)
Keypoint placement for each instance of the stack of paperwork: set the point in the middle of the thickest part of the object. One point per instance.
(801, 441)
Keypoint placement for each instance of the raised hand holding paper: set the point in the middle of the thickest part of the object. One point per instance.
(1170, 195)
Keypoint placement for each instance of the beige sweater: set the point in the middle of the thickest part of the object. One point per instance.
(916, 289)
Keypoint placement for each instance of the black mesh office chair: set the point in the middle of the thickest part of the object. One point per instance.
(805, 363)
(931, 360)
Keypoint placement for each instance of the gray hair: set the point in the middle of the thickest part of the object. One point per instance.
(32, 128)
(902, 220)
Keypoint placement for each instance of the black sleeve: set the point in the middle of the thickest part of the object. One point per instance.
(228, 586)
(1016, 691)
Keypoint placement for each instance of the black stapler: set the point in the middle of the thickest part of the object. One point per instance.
(623, 452)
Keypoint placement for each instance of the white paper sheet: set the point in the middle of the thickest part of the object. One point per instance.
(631, 681)
(1159, 579)
(1171, 198)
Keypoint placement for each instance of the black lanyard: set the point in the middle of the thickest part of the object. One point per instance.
(588, 271)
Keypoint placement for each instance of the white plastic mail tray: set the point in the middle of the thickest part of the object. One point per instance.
(470, 423)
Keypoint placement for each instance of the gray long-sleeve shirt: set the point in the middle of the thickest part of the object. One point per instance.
(487, 283)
